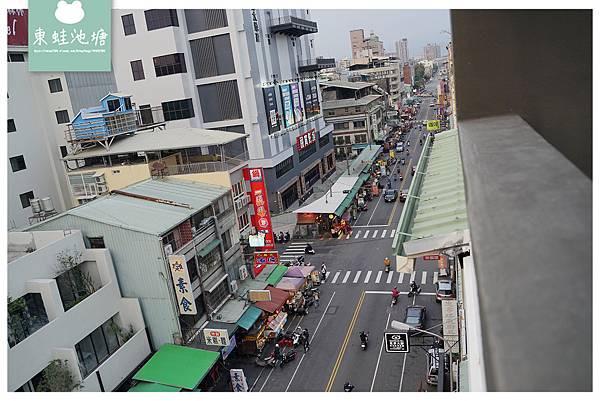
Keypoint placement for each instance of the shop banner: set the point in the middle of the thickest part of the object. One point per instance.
(314, 91)
(17, 27)
(271, 109)
(182, 284)
(238, 380)
(298, 116)
(261, 219)
(218, 337)
(286, 101)
(227, 350)
(306, 139)
(307, 96)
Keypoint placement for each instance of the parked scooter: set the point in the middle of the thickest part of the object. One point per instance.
(287, 358)
(287, 237)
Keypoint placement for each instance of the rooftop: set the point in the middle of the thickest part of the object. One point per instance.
(147, 216)
(347, 84)
(363, 101)
(152, 141)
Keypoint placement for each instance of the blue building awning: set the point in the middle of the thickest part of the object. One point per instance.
(249, 317)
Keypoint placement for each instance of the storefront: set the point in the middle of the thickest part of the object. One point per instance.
(276, 316)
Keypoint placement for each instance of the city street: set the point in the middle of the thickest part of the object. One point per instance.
(356, 297)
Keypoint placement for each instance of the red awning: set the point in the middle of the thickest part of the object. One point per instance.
(278, 298)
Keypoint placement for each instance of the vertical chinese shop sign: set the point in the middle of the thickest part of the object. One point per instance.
(261, 219)
(182, 285)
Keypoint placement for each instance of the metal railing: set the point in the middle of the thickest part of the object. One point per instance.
(319, 61)
(204, 167)
(288, 19)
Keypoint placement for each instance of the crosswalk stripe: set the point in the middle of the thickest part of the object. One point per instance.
(348, 236)
(401, 278)
(435, 277)
(368, 276)
(374, 233)
(378, 276)
(294, 252)
(335, 277)
(327, 275)
(383, 233)
(357, 234)
(393, 233)
(390, 276)
(424, 278)
(412, 276)
(356, 277)
(366, 234)
(346, 277)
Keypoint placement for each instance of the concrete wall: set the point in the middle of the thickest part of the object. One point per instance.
(534, 63)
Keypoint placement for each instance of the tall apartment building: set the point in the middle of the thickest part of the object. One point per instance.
(402, 51)
(39, 107)
(432, 51)
(357, 37)
(65, 304)
(365, 48)
(248, 71)
(386, 73)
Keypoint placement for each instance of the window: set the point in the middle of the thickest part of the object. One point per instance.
(63, 151)
(238, 189)
(359, 124)
(357, 109)
(220, 101)
(306, 152)
(97, 242)
(289, 196)
(210, 263)
(169, 64)
(16, 57)
(284, 167)
(17, 163)
(74, 286)
(212, 56)
(192, 269)
(243, 221)
(55, 85)
(216, 296)
(11, 125)
(347, 139)
(26, 198)
(26, 315)
(137, 69)
(62, 116)
(340, 126)
(146, 114)
(113, 104)
(324, 140)
(178, 109)
(226, 240)
(360, 138)
(199, 20)
(156, 19)
(97, 346)
(128, 24)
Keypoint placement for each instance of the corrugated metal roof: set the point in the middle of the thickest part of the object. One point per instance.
(148, 216)
(347, 84)
(336, 104)
(436, 205)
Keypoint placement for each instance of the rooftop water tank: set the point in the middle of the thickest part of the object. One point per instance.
(36, 205)
(47, 205)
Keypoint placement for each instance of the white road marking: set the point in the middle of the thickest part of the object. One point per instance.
(295, 371)
(346, 277)
(379, 273)
(392, 233)
(357, 234)
(380, 351)
(401, 293)
(390, 276)
(366, 234)
(383, 233)
(294, 252)
(335, 277)
(435, 277)
(357, 276)
(401, 278)
(424, 278)
(372, 226)
(412, 276)
(327, 275)
(368, 276)
(374, 233)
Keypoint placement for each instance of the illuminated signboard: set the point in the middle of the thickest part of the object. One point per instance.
(288, 108)
(306, 139)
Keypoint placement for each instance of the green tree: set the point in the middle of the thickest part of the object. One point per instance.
(57, 377)
(419, 76)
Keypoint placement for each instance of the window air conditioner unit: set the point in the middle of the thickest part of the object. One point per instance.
(102, 188)
(168, 250)
(243, 273)
(234, 286)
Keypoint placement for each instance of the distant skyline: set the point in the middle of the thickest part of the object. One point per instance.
(418, 26)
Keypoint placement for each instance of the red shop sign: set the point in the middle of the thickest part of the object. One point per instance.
(17, 27)
(306, 139)
(431, 257)
(261, 219)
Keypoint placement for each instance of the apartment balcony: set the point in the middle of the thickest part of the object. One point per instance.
(225, 164)
(293, 26)
(315, 64)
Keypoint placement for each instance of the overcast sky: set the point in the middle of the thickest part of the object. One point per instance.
(418, 26)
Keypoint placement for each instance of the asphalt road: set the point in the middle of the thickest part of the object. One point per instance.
(356, 297)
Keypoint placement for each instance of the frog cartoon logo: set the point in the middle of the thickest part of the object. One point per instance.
(69, 13)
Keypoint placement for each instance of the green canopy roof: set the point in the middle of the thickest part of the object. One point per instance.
(209, 247)
(177, 366)
(145, 387)
(276, 275)
(249, 317)
(362, 178)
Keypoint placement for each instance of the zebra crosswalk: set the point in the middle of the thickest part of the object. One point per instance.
(354, 277)
(293, 251)
(370, 234)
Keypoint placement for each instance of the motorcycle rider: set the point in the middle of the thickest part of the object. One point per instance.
(348, 387)
(277, 353)
(323, 272)
(414, 287)
(309, 250)
(363, 337)
(395, 294)
(387, 263)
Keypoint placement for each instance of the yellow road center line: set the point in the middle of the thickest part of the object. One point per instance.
(345, 343)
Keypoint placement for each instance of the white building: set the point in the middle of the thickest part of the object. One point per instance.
(402, 51)
(228, 70)
(39, 107)
(71, 310)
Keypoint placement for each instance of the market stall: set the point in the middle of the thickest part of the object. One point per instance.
(291, 284)
(299, 271)
(276, 317)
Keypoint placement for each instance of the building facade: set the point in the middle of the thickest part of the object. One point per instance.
(162, 218)
(432, 51)
(384, 72)
(402, 51)
(65, 304)
(357, 112)
(248, 71)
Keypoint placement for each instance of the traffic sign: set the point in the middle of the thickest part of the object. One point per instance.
(433, 125)
(396, 342)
